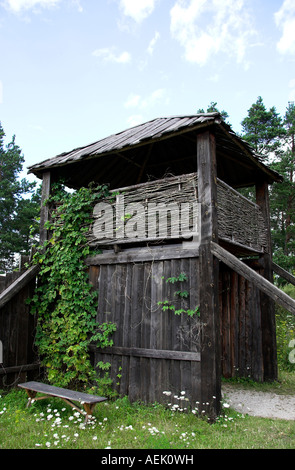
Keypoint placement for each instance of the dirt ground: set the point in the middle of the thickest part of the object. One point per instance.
(264, 404)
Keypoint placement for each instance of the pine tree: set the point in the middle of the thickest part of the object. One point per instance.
(272, 138)
(283, 196)
(19, 204)
(263, 130)
(212, 108)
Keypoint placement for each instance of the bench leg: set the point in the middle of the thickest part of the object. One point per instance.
(31, 396)
(87, 407)
(89, 410)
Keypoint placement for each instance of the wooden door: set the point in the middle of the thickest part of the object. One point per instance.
(154, 350)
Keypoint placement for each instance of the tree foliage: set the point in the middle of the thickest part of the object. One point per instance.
(272, 138)
(263, 129)
(283, 196)
(212, 108)
(19, 204)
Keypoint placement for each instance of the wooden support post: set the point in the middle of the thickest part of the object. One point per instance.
(209, 274)
(267, 304)
(44, 215)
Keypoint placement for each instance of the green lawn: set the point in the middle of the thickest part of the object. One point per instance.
(51, 424)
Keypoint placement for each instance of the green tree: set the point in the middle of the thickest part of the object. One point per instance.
(263, 129)
(212, 108)
(283, 196)
(19, 204)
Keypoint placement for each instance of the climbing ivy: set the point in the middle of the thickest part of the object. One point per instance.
(183, 294)
(64, 301)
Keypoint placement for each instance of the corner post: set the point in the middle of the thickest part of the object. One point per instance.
(44, 214)
(209, 276)
(268, 324)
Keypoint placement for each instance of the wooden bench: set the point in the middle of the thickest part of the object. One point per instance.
(88, 401)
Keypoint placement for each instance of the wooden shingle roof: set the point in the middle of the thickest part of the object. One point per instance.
(95, 161)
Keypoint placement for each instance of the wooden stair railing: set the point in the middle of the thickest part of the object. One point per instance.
(248, 273)
(18, 284)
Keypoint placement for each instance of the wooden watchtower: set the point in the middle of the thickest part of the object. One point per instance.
(195, 160)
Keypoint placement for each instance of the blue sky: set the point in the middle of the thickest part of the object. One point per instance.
(75, 71)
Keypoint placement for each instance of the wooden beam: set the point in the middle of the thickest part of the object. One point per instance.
(44, 214)
(209, 274)
(142, 254)
(283, 273)
(21, 368)
(150, 353)
(18, 284)
(119, 154)
(148, 154)
(263, 284)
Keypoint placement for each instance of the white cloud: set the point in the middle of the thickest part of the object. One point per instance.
(78, 5)
(132, 101)
(208, 27)
(139, 102)
(153, 42)
(19, 5)
(285, 20)
(135, 119)
(138, 10)
(108, 55)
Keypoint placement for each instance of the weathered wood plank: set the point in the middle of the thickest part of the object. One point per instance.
(267, 305)
(263, 284)
(44, 213)
(124, 326)
(18, 285)
(151, 353)
(257, 356)
(234, 321)
(142, 254)
(283, 273)
(144, 340)
(135, 330)
(210, 347)
(18, 369)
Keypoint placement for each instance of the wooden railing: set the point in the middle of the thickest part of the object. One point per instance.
(240, 221)
(169, 209)
(263, 284)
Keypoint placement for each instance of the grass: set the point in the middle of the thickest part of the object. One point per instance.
(285, 385)
(118, 424)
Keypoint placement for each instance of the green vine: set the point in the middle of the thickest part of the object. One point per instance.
(167, 304)
(65, 302)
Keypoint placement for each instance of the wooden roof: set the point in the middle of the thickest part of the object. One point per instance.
(154, 149)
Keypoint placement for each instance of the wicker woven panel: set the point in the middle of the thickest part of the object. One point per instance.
(157, 210)
(240, 221)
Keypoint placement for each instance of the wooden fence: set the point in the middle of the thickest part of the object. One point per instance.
(17, 328)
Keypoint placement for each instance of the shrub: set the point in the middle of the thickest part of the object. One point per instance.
(285, 326)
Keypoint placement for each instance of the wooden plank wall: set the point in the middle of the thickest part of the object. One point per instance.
(241, 332)
(154, 350)
(17, 329)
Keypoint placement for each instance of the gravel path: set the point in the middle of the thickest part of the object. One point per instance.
(264, 404)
